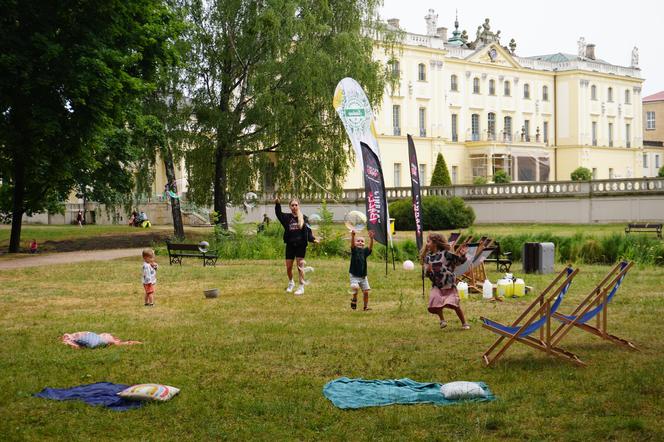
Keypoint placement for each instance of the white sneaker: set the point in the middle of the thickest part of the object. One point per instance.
(300, 290)
(443, 323)
(291, 286)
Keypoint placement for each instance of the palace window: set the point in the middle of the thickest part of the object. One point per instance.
(526, 91)
(478, 164)
(455, 128)
(650, 120)
(645, 160)
(421, 72)
(476, 85)
(492, 87)
(610, 134)
(507, 89)
(593, 92)
(454, 83)
(545, 93)
(526, 129)
(545, 132)
(423, 122)
(491, 125)
(507, 128)
(628, 135)
(628, 97)
(397, 174)
(609, 94)
(594, 134)
(395, 68)
(475, 127)
(396, 119)
(423, 173)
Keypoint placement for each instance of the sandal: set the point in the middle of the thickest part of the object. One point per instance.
(353, 304)
(366, 309)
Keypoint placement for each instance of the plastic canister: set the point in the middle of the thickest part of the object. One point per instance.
(519, 288)
(501, 290)
(487, 289)
(462, 288)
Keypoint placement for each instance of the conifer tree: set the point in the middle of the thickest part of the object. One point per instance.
(441, 176)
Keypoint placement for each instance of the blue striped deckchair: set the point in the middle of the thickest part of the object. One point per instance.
(535, 318)
(595, 306)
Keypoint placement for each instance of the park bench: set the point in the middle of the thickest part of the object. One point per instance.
(178, 251)
(503, 260)
(645, 227)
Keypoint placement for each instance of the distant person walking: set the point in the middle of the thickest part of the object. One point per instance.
(79, 219)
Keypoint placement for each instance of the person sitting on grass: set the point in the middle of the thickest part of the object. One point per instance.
(149, 276)
(358, 268)
(33, 246)
(439, 264)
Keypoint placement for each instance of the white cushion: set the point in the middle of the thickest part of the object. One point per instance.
(463, 390)
(149, 392)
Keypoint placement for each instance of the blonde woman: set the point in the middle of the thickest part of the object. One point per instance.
(296, 236)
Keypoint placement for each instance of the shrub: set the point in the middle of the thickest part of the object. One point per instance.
(501, 177)
(479, 180)
(661, 172)
(581, 174)
(441, 176)
(438, 213)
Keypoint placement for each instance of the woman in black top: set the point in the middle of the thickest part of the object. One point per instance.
(296, 236)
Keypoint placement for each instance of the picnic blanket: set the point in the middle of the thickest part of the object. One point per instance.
(359, 393)
(82, 339)
(103, 394)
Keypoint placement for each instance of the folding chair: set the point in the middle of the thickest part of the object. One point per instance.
(595, 306)
(536, 317)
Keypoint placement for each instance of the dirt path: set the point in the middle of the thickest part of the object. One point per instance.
(69, 257)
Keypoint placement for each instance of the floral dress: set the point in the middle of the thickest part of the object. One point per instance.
(443, 291)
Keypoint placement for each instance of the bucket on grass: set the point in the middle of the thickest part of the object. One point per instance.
(211, 293)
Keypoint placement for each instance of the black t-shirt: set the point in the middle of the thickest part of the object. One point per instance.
(293, 234)
(358, 261)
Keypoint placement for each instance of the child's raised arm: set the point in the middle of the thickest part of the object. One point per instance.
(352, 239)
(371, 239)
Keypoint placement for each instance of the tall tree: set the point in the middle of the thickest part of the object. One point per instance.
(69, 71)
(263, 76)
(440, 176)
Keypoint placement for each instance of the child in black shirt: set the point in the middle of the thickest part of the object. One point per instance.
(358, 268)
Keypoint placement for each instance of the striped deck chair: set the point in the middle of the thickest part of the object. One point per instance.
(535, 318)
(595, 306)
(453, 238)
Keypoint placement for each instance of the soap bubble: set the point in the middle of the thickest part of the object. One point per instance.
(408, 265)
(250, 200)
(203, 246)
(314, 221)
(355, 220)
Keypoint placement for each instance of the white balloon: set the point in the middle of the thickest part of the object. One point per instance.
(408, 265)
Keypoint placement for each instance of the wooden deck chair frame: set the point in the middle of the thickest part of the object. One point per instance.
(597, 298)
(538, 309)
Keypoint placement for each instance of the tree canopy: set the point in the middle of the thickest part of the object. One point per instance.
(262, 79)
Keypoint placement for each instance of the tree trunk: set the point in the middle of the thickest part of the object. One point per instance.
(220, 187)
(17, 209)
(178, 228)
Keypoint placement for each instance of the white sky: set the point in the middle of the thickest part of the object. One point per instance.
(546, 27)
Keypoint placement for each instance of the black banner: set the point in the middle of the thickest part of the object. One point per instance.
(415, 190)
(374, 187)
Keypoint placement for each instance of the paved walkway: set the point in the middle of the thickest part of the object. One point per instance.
(69, 257)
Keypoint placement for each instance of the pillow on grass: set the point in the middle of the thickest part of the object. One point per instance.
(463, 390)
(149, 392)
(91, 340)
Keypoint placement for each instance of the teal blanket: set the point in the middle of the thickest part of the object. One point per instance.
(359, 393)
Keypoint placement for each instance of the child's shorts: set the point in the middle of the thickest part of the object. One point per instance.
(361, 282)
(149, 288)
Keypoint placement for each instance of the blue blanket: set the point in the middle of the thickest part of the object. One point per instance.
(101, 393)
(359, 393)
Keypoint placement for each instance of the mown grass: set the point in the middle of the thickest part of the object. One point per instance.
(252, 364)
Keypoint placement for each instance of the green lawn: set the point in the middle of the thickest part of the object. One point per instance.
(252, 364)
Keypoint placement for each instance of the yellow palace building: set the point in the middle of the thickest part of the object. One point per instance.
(486, 107)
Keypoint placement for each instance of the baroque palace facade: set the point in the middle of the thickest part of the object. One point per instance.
(485, 108)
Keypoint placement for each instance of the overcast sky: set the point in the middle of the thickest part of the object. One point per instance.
(615, 27)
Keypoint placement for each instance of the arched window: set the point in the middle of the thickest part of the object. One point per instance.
(628, 98)
(454, 83)
(476, 85)
(545, 93)
(421, 72)
(593, 92)
(491, 125)
(492, 87)
(526, 91)
(507, 89)
(610, 95)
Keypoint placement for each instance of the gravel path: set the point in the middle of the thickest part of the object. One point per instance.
(69, 257)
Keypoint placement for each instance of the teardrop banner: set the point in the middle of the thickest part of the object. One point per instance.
(374, 188)
(415, 190)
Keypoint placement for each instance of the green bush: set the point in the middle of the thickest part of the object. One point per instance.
(581, 174)
(438, 213)
(479, 180)
(661, 172)
(501, 177)
(440, 176)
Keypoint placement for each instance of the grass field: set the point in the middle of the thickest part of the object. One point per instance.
(252, 364)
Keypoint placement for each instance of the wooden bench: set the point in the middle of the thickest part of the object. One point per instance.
(503, 260)
(178, 251)
(645, 227)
